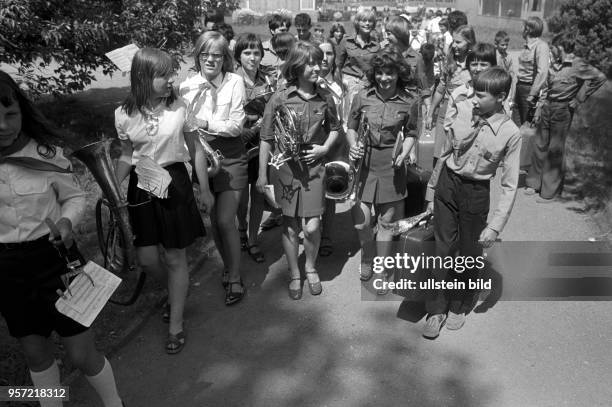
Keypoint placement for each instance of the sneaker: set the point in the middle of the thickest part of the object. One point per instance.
(530, 191)
(433, 324)
(455, 321)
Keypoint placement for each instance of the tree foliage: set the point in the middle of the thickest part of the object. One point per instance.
(591, 22)
(56, 45)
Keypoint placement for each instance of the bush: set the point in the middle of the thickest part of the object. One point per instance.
(57, 45)
(591, 22)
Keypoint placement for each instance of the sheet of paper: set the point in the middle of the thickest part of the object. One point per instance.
(86, 300)
(122, 57)
(152, 177)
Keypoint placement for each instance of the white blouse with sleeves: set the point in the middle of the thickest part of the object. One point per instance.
(28, 197)
(223, 106)
(158, 135)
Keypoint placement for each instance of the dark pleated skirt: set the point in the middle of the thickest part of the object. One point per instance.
(174, 222)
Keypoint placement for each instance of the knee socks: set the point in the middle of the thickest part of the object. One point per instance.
(47, 379)
(104, 383)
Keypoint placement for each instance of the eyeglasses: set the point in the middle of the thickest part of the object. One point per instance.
(213, 57)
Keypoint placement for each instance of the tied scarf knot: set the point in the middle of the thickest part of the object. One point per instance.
(192, 123)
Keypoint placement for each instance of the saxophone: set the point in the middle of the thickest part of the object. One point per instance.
(192, 124)
(287, 135)
(341, 178)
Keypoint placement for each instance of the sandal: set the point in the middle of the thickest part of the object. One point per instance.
(225, 279)
(244, 239)
(175, 343)
(326, 249)
(365, 271)
(232, 297)
(256, 255)
(315, 288)
(295, 294)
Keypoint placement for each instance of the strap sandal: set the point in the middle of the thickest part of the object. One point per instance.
(231, 296)
(315, 288)
(244, 239)
(326, 248)
(225, 279)
(295, 294)
(256, 254)
(175, 343)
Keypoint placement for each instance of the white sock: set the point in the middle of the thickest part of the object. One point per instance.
(104, 383)
(47, 379)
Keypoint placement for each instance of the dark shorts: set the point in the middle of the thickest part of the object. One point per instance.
(174, 222)
(29, 278)
(233, 174)
(380, 182)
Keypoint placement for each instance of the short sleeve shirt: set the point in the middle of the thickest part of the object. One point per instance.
(385, 117)
(353, 59)
(157, 134)
(316, 116)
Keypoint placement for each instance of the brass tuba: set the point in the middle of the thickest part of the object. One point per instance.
(288, 136)
(341, 178)
(117, 248)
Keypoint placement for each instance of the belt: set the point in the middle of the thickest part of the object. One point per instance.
(41, 241)
(483, 182)
(525, 83)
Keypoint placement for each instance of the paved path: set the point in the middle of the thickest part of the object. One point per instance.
(337, 350)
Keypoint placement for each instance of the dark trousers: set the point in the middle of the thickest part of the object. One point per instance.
(546, 172)
(461, 207)
(521, 112)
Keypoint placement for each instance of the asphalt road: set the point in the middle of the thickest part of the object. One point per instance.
(340, 350)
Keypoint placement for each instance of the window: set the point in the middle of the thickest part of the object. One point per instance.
(536, 5)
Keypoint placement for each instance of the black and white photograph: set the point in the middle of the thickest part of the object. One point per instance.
(305, 203)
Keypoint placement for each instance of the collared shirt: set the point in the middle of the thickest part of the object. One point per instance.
(259, 89)
(316, 116)
(353, 59)
(157, 135)
(576, 79)
(434, 25)
(458, 109)
(223, 107)
(533, 64)
(28, 197)
(499, 139)
(270, 61)
(504, 61)
(448, 83)
(385, 117)
(417, 66)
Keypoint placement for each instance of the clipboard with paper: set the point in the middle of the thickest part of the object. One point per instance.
(88, 293)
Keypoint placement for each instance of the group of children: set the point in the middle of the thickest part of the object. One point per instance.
(333, 86)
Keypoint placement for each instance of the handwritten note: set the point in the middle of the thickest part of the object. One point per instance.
(88, 294)
(122, 57)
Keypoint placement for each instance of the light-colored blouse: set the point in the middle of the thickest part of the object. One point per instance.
(223, 105)
(28, 197)
(157, 134)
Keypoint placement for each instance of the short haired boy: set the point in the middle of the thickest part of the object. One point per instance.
(564, 89)
(502, 39)
(277, 24)
(302, 26)
(459, 188)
